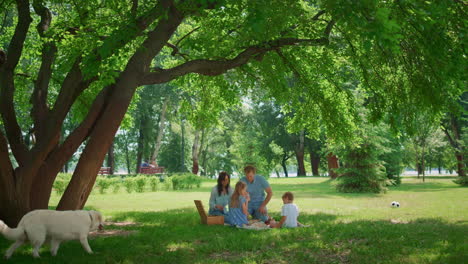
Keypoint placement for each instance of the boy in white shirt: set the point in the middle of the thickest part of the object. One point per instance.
(289, 213)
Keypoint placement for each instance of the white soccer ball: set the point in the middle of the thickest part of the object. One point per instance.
(395, 204)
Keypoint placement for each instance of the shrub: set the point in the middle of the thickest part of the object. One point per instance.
(167, 183)
(185, 181)
(461, 180)
(103, 183)
(116, 183)
(153, 183)
(363, 172)
(129, 184)
(140, 182)
(61, 182)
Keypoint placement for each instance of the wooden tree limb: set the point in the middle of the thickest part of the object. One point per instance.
(7, 87)
(6, 168)
(134, 9)
(63, 153)
(39, 95)
(15, 49)
(217, 67)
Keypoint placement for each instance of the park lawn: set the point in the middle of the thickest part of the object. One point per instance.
(430, 227)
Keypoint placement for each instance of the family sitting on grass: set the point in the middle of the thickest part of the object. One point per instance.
(248, 199)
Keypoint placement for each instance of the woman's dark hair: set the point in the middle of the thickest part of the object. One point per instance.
(221, 177)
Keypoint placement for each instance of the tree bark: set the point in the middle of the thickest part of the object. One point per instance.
(182, 151)
(140, 145)
(195, 152)
(332, 165)
(284, 159)
(161, 127)
(315, 164)
(300, 155)
(111, 159)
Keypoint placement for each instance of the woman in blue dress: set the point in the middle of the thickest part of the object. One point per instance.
(220, 195)
(238, 205)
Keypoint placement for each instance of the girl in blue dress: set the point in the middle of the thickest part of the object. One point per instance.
(238, 205)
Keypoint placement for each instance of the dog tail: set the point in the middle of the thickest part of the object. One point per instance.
(11, 233)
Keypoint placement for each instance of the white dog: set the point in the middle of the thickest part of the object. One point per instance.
(54, 226)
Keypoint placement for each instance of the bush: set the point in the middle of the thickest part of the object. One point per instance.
(61, 182)
(461, 180)
(129, 184)
(153, 183)
(103, 183)
(140, 182)
(116, 183)
(363, 172)
(167, 183)
(185, 181)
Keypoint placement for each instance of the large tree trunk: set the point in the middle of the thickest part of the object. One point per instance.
(284, 159)
(141, 144)
(460, 165)
(111, 159)
(195, 152)
(315, 163)
(182, 167)
(423, 165)
(161, 127)
(300, 155)
(332, 165)
(127, 155)
(453, 132)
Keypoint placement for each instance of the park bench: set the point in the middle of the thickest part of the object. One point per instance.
(208, 219)
(104, 170)
(151, 170)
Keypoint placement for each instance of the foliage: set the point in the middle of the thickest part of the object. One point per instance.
(153, 182)
(103, 183)
(129, 184)
(463, 181)
(140, 183)
(170, 155)
(61, 182)
(116, 184)
(183, 181)
(362, 172)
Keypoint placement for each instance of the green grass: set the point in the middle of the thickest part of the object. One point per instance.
(430, 227)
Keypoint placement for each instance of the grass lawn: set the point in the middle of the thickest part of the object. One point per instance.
(430, 227)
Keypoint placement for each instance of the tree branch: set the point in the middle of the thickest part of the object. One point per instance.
(39, 95)
(63, 153)
(316, 17)
(217, 67)
(175, 51)
(186, 35)
(6, 168)
(329, 28)
(134, 9)
(449, 137)
(7, 87)
(15, 49)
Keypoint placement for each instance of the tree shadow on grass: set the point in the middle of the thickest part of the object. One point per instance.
(321, 189)
(424, 187)
(176, 236)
